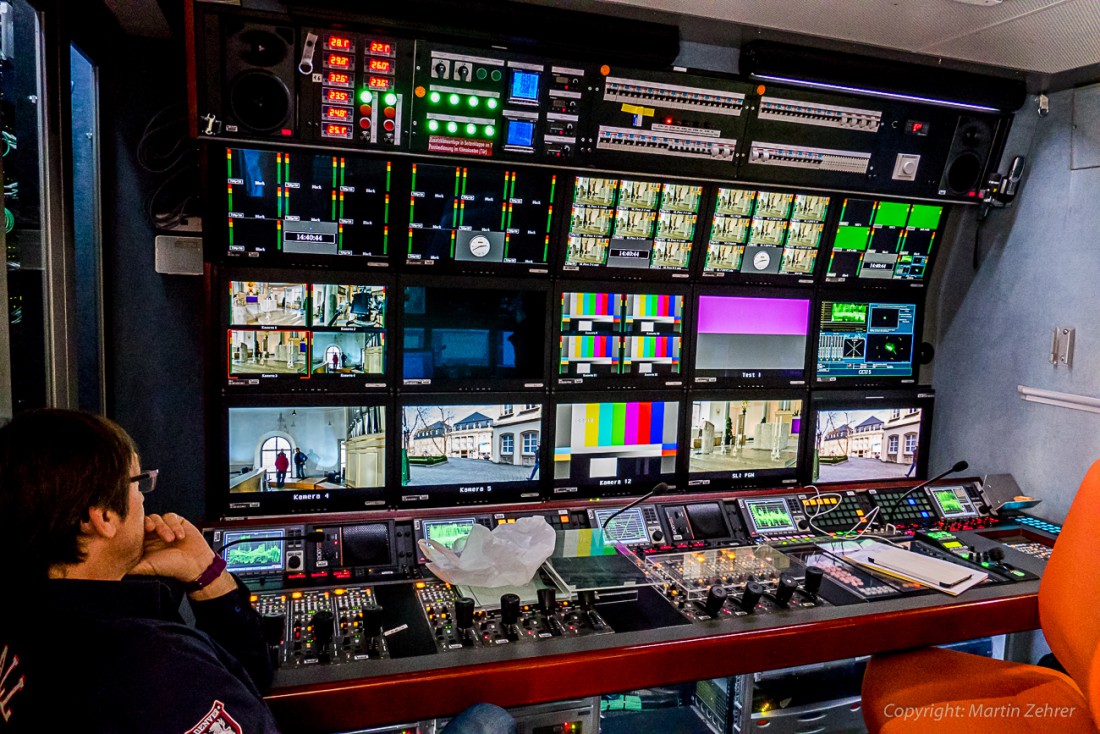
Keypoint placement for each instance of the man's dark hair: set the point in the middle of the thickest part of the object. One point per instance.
(54, 466)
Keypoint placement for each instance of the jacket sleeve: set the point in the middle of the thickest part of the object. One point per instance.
(233, 623)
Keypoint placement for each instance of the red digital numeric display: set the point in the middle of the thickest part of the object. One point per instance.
(380, 66)
(339, 79)
(379, 82)
(338, 96)
(338, 43)
(338, 61)
(335, 113)
(381, 48)
(337, 131)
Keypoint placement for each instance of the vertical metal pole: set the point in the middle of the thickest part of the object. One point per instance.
(6, 405)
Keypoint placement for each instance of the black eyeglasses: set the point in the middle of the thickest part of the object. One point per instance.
(147, 480)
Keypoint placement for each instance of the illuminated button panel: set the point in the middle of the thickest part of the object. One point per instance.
(475, 104)
(359, 99)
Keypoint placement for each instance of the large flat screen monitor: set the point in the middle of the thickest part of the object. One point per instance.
(865, 341)
(767, 236)
(883, 242)
(614, 448)
(470, 452)
(284, 206)
(752, 340)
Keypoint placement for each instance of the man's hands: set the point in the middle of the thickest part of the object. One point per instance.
(175, 549)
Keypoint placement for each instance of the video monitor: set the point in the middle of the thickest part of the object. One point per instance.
(610, 336)
(299, 457)
(465, 337)
(330, 333)
(255, 551)
(292, 205)
(751, 340)
(614, 448)
(953, 502)
(863, 341)
(470, 452)
(745, 439)
(631, 224)
(862, 437)
(769, 516)
(480, 218)
(883, 242)
(765, 235)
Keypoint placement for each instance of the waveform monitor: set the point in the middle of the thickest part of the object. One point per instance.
(290, 204)
(738, 440)
(480, 217)
(628, 528)
(765, 235)
(883, 241)
(632, 224)
(953, 502)
(751, 340)
(447, 532)
(256, 551)
(620, 336)
(769, 516)
(863, 341)
(608, 448)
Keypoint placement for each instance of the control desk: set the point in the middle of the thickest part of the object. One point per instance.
(700, 586)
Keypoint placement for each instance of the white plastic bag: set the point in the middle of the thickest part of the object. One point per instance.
(509, 555)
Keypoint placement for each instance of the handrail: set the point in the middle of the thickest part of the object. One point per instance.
(1059, 399)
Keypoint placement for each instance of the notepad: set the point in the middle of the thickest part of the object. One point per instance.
(934, 573)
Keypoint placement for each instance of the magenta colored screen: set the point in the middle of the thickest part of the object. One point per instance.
(742, 315)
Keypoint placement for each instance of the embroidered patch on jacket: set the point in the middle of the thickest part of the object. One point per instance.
(217, 721)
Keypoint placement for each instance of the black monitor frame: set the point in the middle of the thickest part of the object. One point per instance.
(606, 272)
(748, 378)
(619, 486)
(867, 400)
(741, 277)
(620, 381)
(455, 494)
(309, 382)
(864, 381)
(851, 282)
(494, 384)
(760, 477)
(222, 502)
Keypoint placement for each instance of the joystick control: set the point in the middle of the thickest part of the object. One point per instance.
(548, 602)
(787, 586)
(751, 597)
(812, 584)
(464, 613)
(716, 599)
(509, 609)
(324, 631)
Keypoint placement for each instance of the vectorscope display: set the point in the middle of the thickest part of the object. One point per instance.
(860, 340)
(295, 203)
(472, 216)
(624, 223)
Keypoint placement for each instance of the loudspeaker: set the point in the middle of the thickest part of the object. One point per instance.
(968, 158)
(259, 79)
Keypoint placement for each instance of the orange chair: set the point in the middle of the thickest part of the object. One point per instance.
(938, 690)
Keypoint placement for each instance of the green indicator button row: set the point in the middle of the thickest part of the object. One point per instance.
(469, 128)
(454, 100)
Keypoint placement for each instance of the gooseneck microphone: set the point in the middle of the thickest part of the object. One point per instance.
(659, 489)
(313, 536)
(957, 467)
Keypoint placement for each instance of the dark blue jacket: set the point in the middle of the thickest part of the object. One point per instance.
(104, 656)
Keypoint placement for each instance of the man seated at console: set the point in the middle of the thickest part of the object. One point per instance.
(91, 637)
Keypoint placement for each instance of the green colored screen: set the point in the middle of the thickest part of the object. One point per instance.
(770, 515)
(949, 503)
(851, 238)
(259, 553)
(925, 216)
(448, 533)
(850, 313)
(890, 214)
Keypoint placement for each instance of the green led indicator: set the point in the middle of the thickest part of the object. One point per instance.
(452, 127)
(365, 96)
(471, 129)
(473, 101)
(434, 97)
(454, 99)
(490, 131)
(391, 99)
(433, 125)
(491, 103)
(482, 73)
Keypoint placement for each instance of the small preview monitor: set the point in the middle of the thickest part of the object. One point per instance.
(869, 438)
(302, 458)
(447, 532)
(744, 440)
(627, 527)
(349, 330)
(275, 305)
(268, 354)
(953, 502)
(630, 224)
(751, 340)
(764, 235)
(480, 218)
(294, 205)
(866, 341)
(609, 336)
(769, 516)
(254, 551)
(470, 452)
(607, 448)
(461, 337)
(883, 242)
